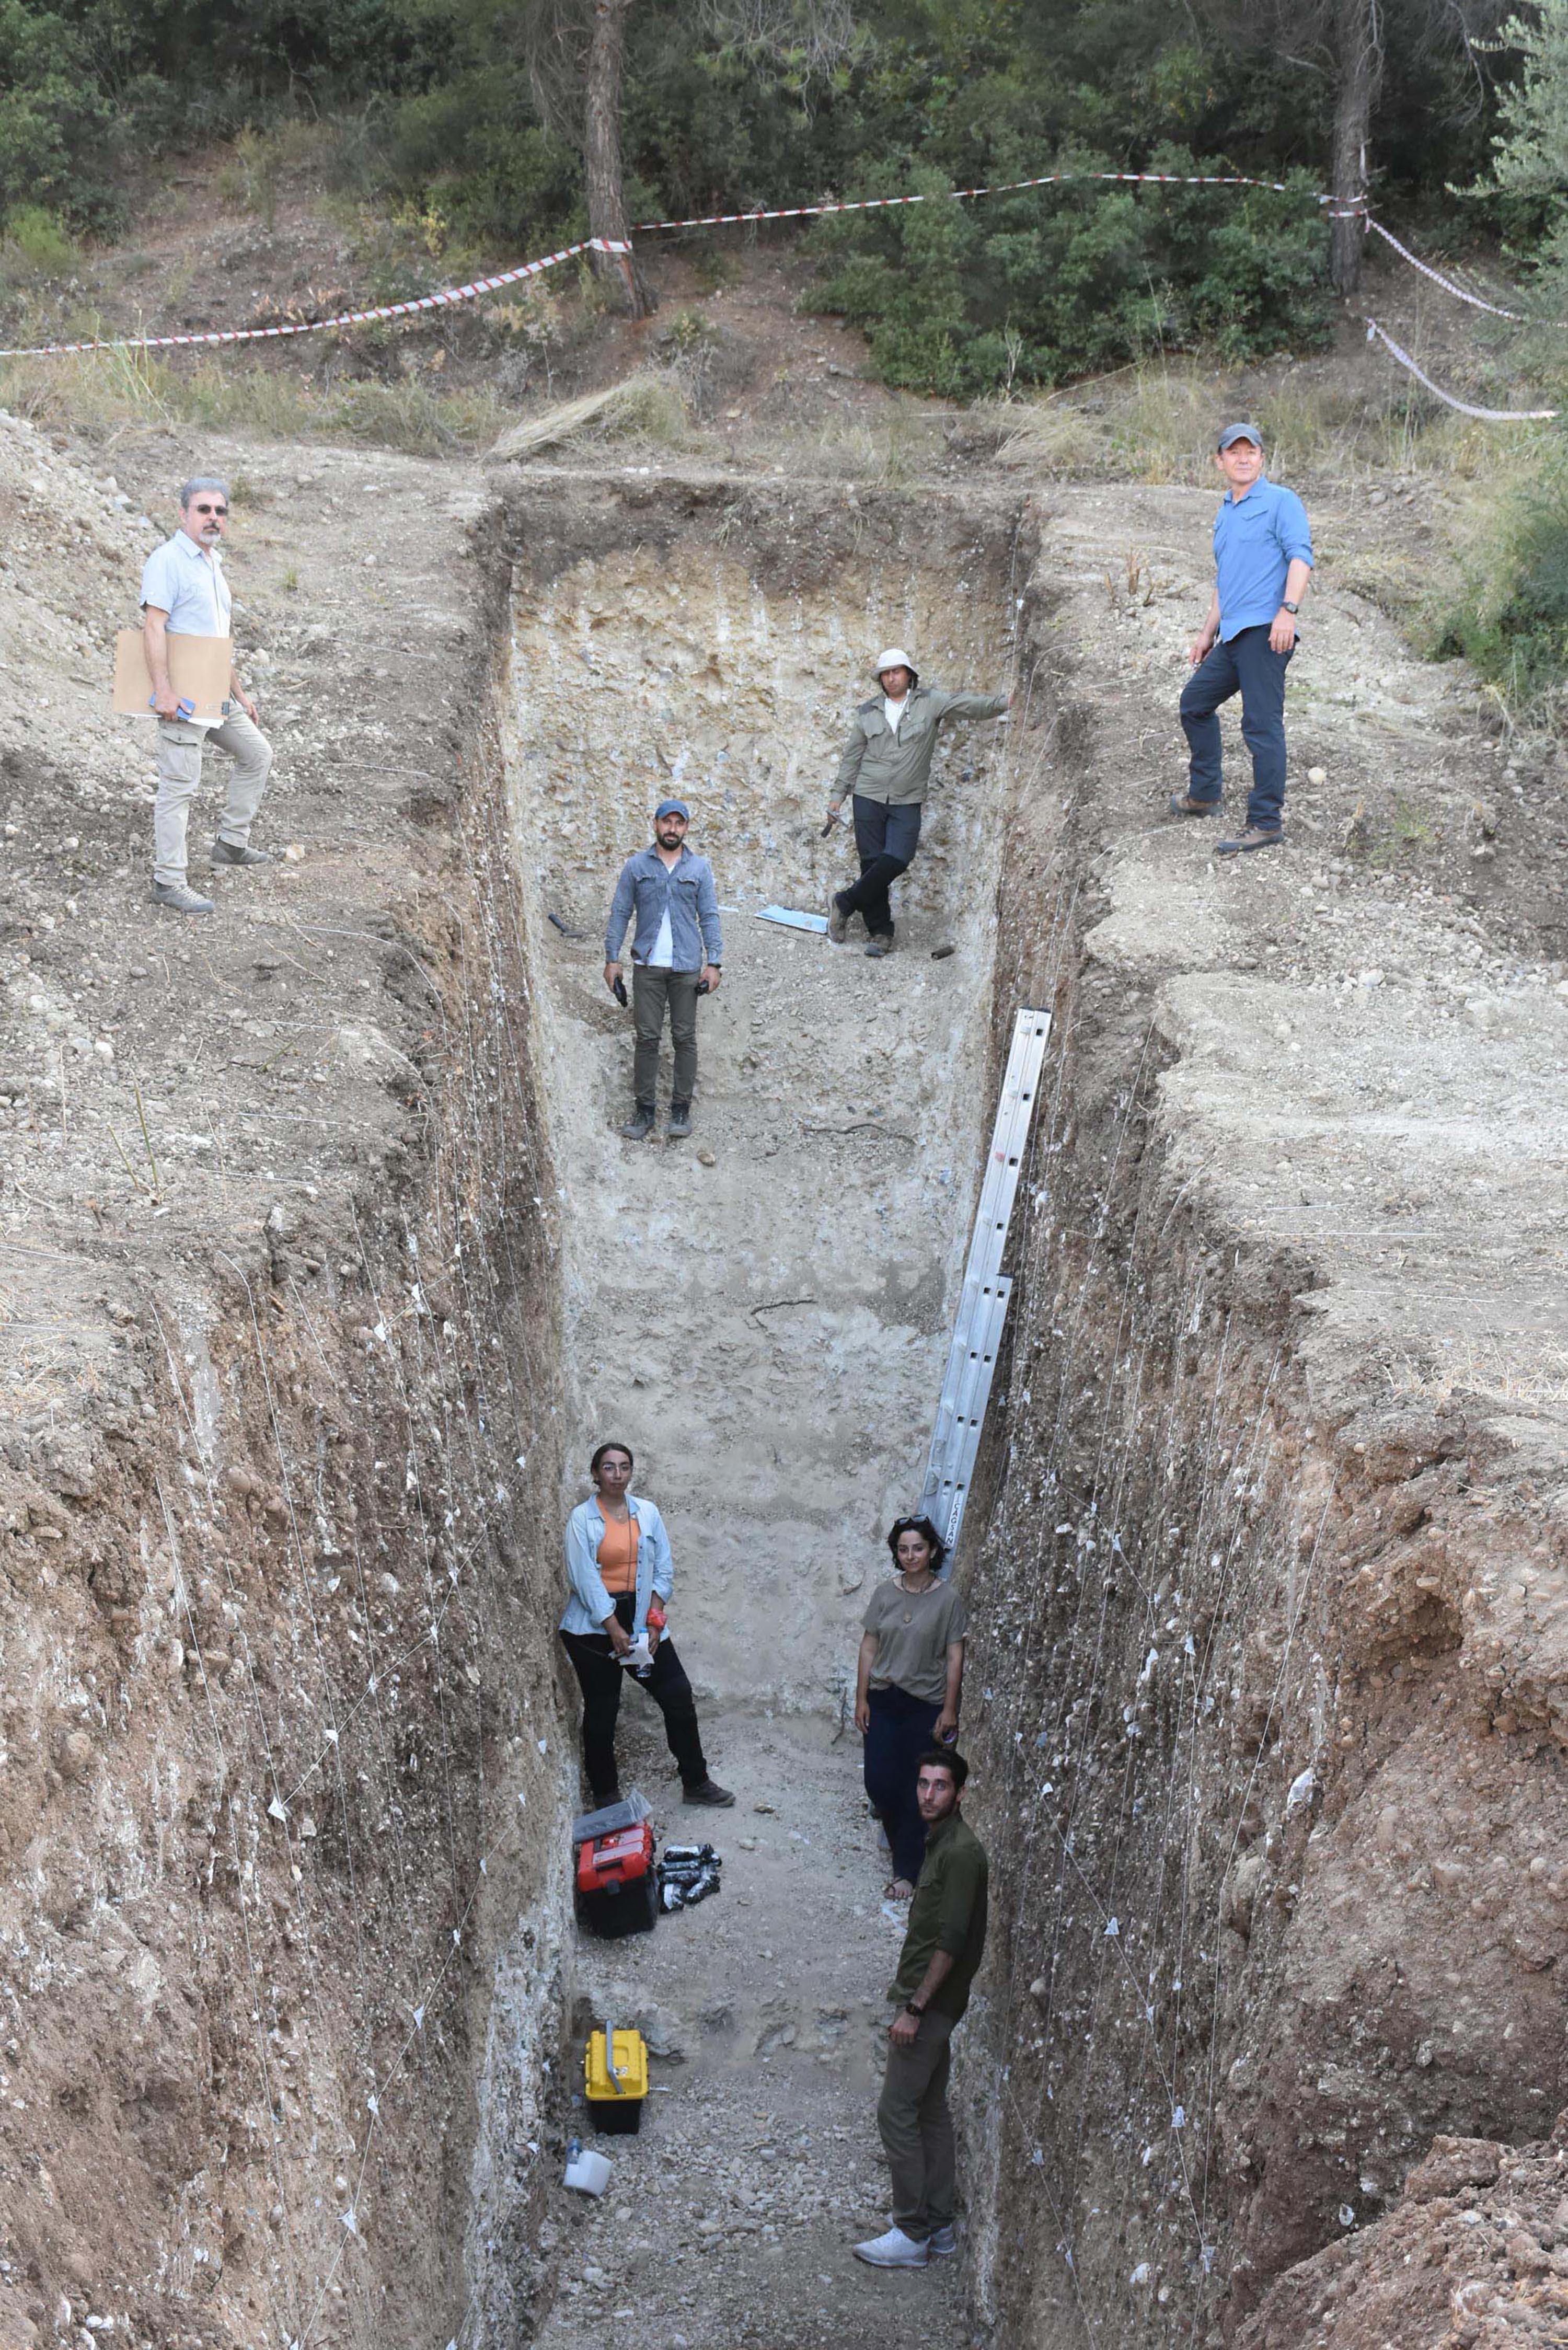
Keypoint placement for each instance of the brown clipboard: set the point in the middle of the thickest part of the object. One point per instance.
(199, 672)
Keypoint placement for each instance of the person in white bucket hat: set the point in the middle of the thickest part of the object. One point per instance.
(887, 764)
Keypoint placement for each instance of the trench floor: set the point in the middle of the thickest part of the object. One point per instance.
(730, 2216)
(763, 1315)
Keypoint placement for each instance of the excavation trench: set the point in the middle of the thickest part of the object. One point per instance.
(761, 1314)
(1242, 1677)
(1268, 1685)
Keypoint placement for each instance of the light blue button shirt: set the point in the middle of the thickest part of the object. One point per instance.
(1256, 538)
(182, 579)
(590, 1603)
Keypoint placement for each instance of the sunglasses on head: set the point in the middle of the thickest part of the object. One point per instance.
(213, 510)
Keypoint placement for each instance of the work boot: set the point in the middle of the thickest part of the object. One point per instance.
(235, 852)
(680, 1120)
(179, 899)
(1254, 837)
(708, 1791)
(640, 1124)
(881, 944)
(1183, 804)
(893, 2250)
(837, 921)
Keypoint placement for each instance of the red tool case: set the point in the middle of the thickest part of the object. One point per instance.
(617, 1892)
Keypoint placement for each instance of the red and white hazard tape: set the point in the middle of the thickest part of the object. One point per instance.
(961, 195)
(1465, 406)
(1448, 284)
(441, 301)
(1353, 209)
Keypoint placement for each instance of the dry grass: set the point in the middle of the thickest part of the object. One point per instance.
(1486, 1366)
(1153, 423)
(646, 406)
(96, 394)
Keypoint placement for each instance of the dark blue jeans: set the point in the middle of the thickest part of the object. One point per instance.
(887, 839)
(1247, 666)
(900, 1731)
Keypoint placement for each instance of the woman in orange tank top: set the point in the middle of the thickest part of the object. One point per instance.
(607, 1539)
(617, 1550)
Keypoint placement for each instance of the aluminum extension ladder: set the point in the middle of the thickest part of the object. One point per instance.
(982, 1303)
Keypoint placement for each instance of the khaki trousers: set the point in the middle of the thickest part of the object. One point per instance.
(180, 748)
(917, 2129)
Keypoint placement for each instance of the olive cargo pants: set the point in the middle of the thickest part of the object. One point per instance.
(917, 2129)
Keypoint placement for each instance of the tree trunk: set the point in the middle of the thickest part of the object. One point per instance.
(1359, 51)
(601, 155)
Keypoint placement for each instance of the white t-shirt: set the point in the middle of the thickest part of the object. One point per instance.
(661, 955)
(893, 710)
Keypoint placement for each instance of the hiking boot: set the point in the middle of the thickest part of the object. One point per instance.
(1183, 804)
(680, 1120)
(881, 944)
(235, 852)
(943, 2242)
(640, 1124)
(179, 899)
(893, 2250)
(837, 921)
(709, 1792)
(1252, 838)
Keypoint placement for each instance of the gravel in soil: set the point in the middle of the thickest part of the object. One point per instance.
(730, 2216)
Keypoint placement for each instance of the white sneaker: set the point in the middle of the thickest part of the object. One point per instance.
(893, 2250)
(943, 2242)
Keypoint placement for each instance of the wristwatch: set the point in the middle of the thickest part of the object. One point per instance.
(1288, 607)
(910, 2008)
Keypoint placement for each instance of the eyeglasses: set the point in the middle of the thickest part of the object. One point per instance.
(213, 510)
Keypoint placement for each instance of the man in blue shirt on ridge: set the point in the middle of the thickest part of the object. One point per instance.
(1262, 561)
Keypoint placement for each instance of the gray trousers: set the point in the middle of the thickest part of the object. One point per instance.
(179, 747)
(651, 992)
(917, 2129)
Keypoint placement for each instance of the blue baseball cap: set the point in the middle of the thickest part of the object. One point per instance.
(671, 808)
(1239, 432)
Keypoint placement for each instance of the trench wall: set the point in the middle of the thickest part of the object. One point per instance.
(281, 1948)
(1264, 1694)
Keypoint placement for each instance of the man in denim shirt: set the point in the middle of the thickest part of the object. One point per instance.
(1262, 561)
(676, 952)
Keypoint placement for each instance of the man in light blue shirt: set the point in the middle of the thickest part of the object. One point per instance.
(1263, 562)
(184, 594)
(667, 894)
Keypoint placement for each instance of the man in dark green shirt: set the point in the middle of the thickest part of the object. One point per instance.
(942, 1950)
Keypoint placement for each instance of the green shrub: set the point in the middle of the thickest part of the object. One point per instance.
(1071, 280)
(37, 240)
(1510, 619)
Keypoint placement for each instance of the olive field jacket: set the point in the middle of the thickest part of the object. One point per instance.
(878, 764)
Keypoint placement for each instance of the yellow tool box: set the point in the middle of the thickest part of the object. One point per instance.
(615, 2077)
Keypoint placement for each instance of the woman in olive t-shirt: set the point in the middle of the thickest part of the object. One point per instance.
(907, 1679)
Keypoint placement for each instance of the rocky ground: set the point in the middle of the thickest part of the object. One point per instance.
(729, 2215)
(280, 1226)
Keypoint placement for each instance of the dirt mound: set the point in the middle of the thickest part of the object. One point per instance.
(1473, 2256)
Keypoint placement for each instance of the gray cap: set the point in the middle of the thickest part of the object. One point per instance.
(671, 808)
(1239, 432)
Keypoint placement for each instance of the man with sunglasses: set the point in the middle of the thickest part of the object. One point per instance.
(184, 594)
